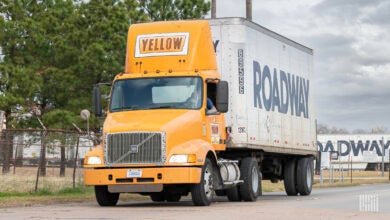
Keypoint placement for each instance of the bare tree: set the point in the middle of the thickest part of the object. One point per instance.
(359, 131)
(322, 129)
(325, 129)
(379, 129)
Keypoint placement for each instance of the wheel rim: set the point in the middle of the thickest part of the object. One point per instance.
(255, 180)
(308, 177)
(208, 182)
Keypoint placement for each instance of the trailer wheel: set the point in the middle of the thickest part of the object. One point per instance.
(202, 193)
(304, 176)
(289, 178)
(233, 194)
(249, 189)
(104, 197)
(157, 197)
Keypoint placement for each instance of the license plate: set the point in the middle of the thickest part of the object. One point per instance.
(134, 173)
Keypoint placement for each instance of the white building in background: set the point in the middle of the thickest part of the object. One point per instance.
(359, 151)
(3, 120)
(27, 146)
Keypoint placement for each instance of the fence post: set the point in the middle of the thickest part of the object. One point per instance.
(77, 153)
(75, 161)
(63, 159)
(42, 159)
(42, 163)
(331, 174)
(383, 157)
(6, 154)
(351, 169)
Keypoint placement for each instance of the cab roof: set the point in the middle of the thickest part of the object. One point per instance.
(171, 46)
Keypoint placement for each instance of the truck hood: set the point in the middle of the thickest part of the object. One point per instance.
(166, 120)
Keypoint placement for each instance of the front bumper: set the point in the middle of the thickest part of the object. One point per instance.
(163, 175)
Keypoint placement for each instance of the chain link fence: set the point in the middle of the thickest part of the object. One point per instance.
(33, 159)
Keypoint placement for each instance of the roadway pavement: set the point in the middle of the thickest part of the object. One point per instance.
(358, 202)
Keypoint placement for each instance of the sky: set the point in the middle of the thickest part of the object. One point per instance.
(351, 43)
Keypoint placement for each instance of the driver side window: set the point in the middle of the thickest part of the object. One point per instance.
(211, 98)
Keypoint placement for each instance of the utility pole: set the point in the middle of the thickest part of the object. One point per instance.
(213, 9)
(383, 157)
(249, 10)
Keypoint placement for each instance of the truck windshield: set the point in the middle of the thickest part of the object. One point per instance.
(156, 93)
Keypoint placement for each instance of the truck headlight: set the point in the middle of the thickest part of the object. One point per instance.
(183, 158)
(93, 160)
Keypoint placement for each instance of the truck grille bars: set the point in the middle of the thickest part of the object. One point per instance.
(135, 148)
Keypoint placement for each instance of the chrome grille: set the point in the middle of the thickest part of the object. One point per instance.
(135, 148)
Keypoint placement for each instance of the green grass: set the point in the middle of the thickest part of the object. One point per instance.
(46, 192)
(46, 196)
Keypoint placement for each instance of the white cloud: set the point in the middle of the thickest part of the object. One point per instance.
(351, 42)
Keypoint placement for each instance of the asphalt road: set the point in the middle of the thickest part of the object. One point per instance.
(359, 202)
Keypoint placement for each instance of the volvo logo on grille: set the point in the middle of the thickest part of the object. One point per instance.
(133, 149)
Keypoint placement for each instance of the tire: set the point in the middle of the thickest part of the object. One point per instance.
(289, 181)
(202, 193)
(157, 197)
(233, 194)
(250, 188)
(261, 184)
(175, 197)
(220, 192)
(304, 176)
(104, 197)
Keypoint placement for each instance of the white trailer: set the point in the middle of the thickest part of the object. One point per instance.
(356, 151)
(271, 104)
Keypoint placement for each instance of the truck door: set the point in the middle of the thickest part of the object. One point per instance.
(215, 121)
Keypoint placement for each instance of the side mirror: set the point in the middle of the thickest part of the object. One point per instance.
(97, 105)
(222, 96)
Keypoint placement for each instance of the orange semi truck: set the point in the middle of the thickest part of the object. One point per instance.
(207, 107)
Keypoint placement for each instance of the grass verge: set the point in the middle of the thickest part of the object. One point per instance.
(44, 197)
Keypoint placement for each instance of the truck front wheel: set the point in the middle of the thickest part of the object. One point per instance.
(249, 190)
(202, 193)
(157, 197)
(173, 197)
(104, 197)
(304, 176)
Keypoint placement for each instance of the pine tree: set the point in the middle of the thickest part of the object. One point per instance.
(163, 10)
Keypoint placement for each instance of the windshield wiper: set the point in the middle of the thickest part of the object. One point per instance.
(162, 106)
(132, 107)
(136, 107)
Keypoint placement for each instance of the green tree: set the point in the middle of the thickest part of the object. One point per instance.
(100, 36)
(163, 10)
(54, 51)
(19, 71)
